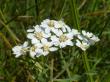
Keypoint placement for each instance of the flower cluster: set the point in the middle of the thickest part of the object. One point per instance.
(51, 35)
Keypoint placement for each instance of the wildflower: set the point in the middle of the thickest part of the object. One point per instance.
(48, 25)
(91, 37)
(62, 26)
(21, 49)
(82, 38)
(36, 50)
(51, 35)
(38, 35)
(62, 40)
(87, 34)
(47, 47)
(93, 40)
(53, 26)
(83, 45)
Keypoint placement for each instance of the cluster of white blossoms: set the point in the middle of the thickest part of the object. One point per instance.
(52, 35)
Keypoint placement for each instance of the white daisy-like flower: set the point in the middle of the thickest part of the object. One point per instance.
(62, 40)
(91, 37)
(48, 25)
(61, 25)
(38, 35)
(82, 38)
(20, 50)
(36, 50)
(95, 38)
(47, 47)
(87, 34)
(83, 45)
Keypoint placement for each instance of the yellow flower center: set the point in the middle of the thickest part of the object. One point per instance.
(24, 50)
(39, 35)
(51, 23)
(63, 38)
(46, 48)
(33, 48)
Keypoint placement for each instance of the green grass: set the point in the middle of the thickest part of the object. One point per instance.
(67, 65)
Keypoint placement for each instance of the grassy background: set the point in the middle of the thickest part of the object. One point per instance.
(66, 65)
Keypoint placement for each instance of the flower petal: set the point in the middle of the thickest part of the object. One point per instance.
(30, 35)
(30, 30)
(69, 42)
(25, 44)
(53, 49)
(35, 41)
(45, 53)
(44, 41)
(70, 35)
(32, 54)
(37, 28)
(62, 45)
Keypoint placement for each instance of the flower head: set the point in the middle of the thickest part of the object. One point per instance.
(20, 49)
(47, 47)
(83, 45)
(51, 35)
(91, 37)
(62, 39)
(38, 35)
(36, 50)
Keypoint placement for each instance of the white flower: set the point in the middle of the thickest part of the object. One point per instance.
(75, 32)
(82, 38)
(54, 26)
(62, 40)
(36, 50)
(48, 26)
(91, 37)
(83, 45)
(61, 25)
(51, 35)
(38, 35)
(55, 40)
(93, 40)
(87, 34)
(20, 50)
(47, 46)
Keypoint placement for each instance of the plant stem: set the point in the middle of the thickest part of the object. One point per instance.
(75, 14)
(62, 10)
(65, 64)
(87, 66)
(51, 70)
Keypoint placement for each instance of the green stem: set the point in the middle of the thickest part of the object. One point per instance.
(60, 16)
(65, 64)
(87, 66)
(51, 70)
(75, 13)
(37, 10)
